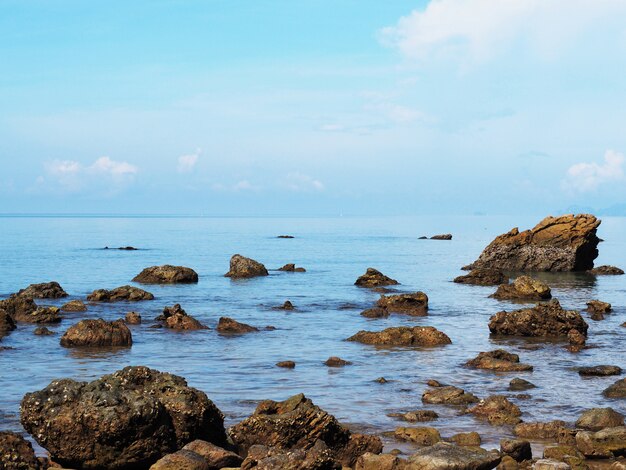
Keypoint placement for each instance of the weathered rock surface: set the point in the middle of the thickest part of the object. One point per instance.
(133, 318)
(45, 290)
(417, 416)
(596, 419)
(607, 271)
(483, 277)
(43, 331)
(403, 336)
(369, 461)
(23, 309)
(181, 460)
(466, 439)
(523, 288)
(518, 449)
(292, 268)
(128, 293)
(445, 456)
(335, 361)
(568, 454)
(565, 243)
(176, 318)
(375, 312)
(600, 371)
(443, 236)
(318, 457)
(16, 453)
(215, 456)
(128, 419)
(497, 410)
(167, 274)
(617, 390)
(607, 443)
(374, 278)
(286, 364)
(74, 306)
(597, 309)
(518, 385)
(228, 325)
(448, 395)
(498, 360)
(242, 267)
(548, 430)
(97, 333)
(423, 435)
(415, 304)
(6, 323)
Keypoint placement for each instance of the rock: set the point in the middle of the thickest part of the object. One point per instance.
(74, 306)
(497, 410)
(97, 333)
(369, 461)
(445, 456)
(508, 463)
(45, 290)
(291, 268)
(547, 430)
(597, 309)
(228, 325)
(267, 458)
(176, 318)
(415, 304)
(128, 293)
(466, 439)
(286, 306)
(16, 453)
(423, 435)
(381, 380)
(600, 371)
(23, 309)
(181, 460)
(335, 361)
(596, 419)
(374, 278)
(403, 336)
(167, 274)
(42, 331)
(576, 340)
(423, 237)
(376, 312)
(498, 360)
(543, 320)
(523, 288)
(242, 267)
(215, 456)
(417, 416)
(445, 236)
(617, 390)
(6, 323)
(566, 453)
(483, 277)
(607, 443)
(448, 395)
(550, 464)
(518, 449)
(286, 364)
(285, 236)
(128, 419)
(607, 271)
(518, 384)
(565, 243)
(133, 318)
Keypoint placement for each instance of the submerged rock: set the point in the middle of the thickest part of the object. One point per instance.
(16, 453)
(24, 309)
(335, 361)
(445, 456)
(375, 312)
(374, 278)
(415, 304)
(133, 318)
(518, 384)
(597, 309)
(285, 236)
(523, 288)
(497, 410)
(228, 325)
(403, 336)
(291, 268)
(565, 243)
(242, 267)
(596, 419)
(128, 419)
(444, 236)
(417, 416)
(43, 331)
(122, 293)
(483, 277)
(448, 395)
(176, 318)
(74, 306)
(167, 274)
(287, 305)
(607, 271)
(617, 390)
(97, 333)
(600, 371)
(45, 290)
(498, 360)
(286, 364)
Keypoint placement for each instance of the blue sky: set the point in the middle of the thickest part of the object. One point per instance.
(228, 107)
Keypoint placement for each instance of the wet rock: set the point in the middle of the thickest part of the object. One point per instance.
(423, 435)
(97, 333)
(403, 336)
(128, 419)
(448, 395)
(576, 340)
(607, 271)
(16, 453)
(444, 236)
(375, 312)
(128, 293)
(369, 461)
(518, 449)
(617, 390)
(286, 364)
(548, 320)
(445, 456)
(547, 430)
(176, 318)
(133, 318)
(167, 274)
(550, 464)
(242, 267)
(607, 443)
(498, 360)
(423, 237)
(466, 439)
(45, 290)
(483, 277)
(600, 371)
(286, 306)
(291, 268)
(417, 416)
(230, 326)
(434, 383)
(181, 460)
(215, 456)
(597, 309)
(567, 454)
(23, 309)
(285, 236)
(74, 306)
(335, 361)
(523, 288)
(565, 243)
(6, 323)
(42, 315)
(415, 304)
(43, 331)
(374, 278)
(318, 457)
(508, 463)
(381, 380)
(518, 384)
(596, 419)
(497, 410)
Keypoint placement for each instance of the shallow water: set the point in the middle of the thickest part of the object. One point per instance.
(237, 372)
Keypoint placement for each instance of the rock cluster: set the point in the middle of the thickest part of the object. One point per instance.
(167, 274)
(292, 268)
(374, 278)
(497, 410)
(403, 336)
(24, 309)
(176, 318)
(242, 267)
(122, 293)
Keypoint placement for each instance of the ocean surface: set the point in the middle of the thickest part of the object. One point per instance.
(237, 372)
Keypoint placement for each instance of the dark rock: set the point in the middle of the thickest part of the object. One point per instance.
(16, 453)
(23, 309)
(97, 333)
(445, 236)
(445, 456)
(448, 395)
(335, 361)
(403, 336)
(228, 325)
(127, 293)
(74, 306)
(518, 449)
(565, 243)
(576, 339)
(286, 364)
(285, 236)
(497, 410)
(128, 419)
(498, 360)
(43, 331)
(596, 419)
(45, 290)
(374, 278)
(291, 268)
(597, 309)
(600, 371)
(466, 439)
(215, 456)
(547, 430)
(607, 271)
(607, 443)
(415, 304)
(423, 435)
(518, 384)
(523, 288)
(133, 318)
(381, 380)
(286, 306)
(423, 238)
(617, 390)
(318, 457)
(483, 277)
(167, 274)
(176, 318)
(376, 312)
(181, 460)
(242, 267)
(417, 416)
(6, 323)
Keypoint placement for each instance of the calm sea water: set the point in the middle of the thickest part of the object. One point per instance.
(237, 372)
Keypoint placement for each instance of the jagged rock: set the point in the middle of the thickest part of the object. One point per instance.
(448, 395)
(547, 430)
(228, 325)
(381, 380)
(567, 454)
(607, 443)
(128, 293)
(374, 278)
(43, 331)
(596, 419)
(215, 456)
(97, 333)
(291, 268)
(23, 309)
(375, 312)
(167, 274)
(600, 371)
(286, 364)
(415, 304)
(16, 453)
(45, 290)
(607, 271)
(286, 306)
(597, 309)
(242, 267)
(176, 318)
(483, 277)
(181, 460)
(74, 306)
(445, 456)
(518, 449)
(133, 318)
(423, 435)
(498, 360)
(128, 419)
(523, 288)
(335, 361)
(6, 323)
(466, 439)
(497, 410)
(403, 336)
(417, 416)
(617, 390)
(518, 384)
(565, 243)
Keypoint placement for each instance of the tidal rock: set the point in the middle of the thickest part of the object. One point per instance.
(375, 312)
(181, 460)
(548, 320)
(549, 430)
(597, 309)
(444, 236)
(518, 449)
(45, 290)
(16, 453)
(423, 435)
(445, 456)
(466, 439)
(128, 293)
(523, 288)
(607, 443)
(617, 390)
(6, 323)
(167, 274)
(133, 318)
(318, 457)
(286, 364)
(498, 360)
(550, 464)
(287, 305)
(43, 331)
(215, 456)
(596, 419)
(607, 271)
(448, 395)
(403, 336)
(483, 277)
(565, 243)
(128, 419)
(74, 306)
(374, 278)
(291, 268)
(176, 318)
(230, 326)
(415, 304)
(335, 361)
(600, 371)
(518, 384)
(23, 309)
(417, 416)
(242, 267)
(369, 461)
(285, 236)
(97, 333)
(497, 410)
(567, 454)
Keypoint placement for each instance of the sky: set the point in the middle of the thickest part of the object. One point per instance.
(313, 107)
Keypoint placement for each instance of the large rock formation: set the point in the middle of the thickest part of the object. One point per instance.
(374, 278)
(97, 333)
(129, 293)
(565, 243)
(167, 274)
(242, 267)
(523, 288)
(45, 290)
(415, 304)
(403, 336)
(128, 419)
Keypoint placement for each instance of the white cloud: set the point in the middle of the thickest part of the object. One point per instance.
(74, 176)
(106, 166)
(186, 163)
(299, 182)
(585, 177)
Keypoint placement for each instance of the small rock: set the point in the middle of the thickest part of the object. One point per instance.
(449, 456)
(133, 318)
(519, 449)
(448, 395)
(286, 306)
(381, 380)
(466, 439)
(415, 304)
(498, 360)
(550, 464)
(483, 277)
(285, 236)
(176, 318)
(423, 436)
(181, 460)
(286, 364)
(617, 390)
(45, 290)
(230, 326)
(600, 371)
(518, 384)
(376, 312)
(403, 336)
(497, 410)
(369, 461)
(597, 419)
(523, 288)
(548, 430)
(43, 331)
(128, 293)
(597, 309)
(242, 267)
(566, 453)
(445, 236)
(291, 268)
(167, 274)
(607, 271)
(576, 338)
(417, 416)
(434, 383)
(74, 306)
(16, 453)
(97, 333)
(374, 278)
(335, 361)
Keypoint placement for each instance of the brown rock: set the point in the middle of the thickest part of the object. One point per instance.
(423, 435)
(483, 277)
(550, 464)
(415, 304)
(497, 410)
(267, 458)
(127, 293)
(369, 461)
(596, 419)
(167, 274)
(547, 430)
(600, 371)
(567, 454)
(74, 306)
(607, 443)
(374, 278)
(466, 439)
(335, 361)
(607, 271)
(286, 364)
(230, 326)
(597, 309)
(16, 453)
(43, 331)
(291, 268)
(133, 318)
(617, 390)
(45, 290)
(518, 449)
(23, 309)
(403, 336)
(215, 456)
(448, 395)
(181, 460)
(286, 306)
(376, 312)
(518, 384)
(445, 236)
(523, 288)
(417, 416)
(6, 323)
(97, 333)
(445, 456)
(176, 318)
(498, 360)
(242, 267)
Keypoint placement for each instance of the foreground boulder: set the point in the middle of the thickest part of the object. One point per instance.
(128, 419)
(181, 460)
(74, 306)
(97, 333)
(565, 243)
(403, 336)
(543, 320)
(523, 288)
(215, 456)
(448, 395)
(16, 453)
(498, 360)
(617, 390)
(45, 290)
(176, 318)
(518, 449)
(483, 277)
(167, 274)
(497, 410)
(374, 278)
(596, 419)
(607, 271)
(229, 326)
(242, 267)
(297, 424)
(128, 293)
(608, 443)
(415, 304)
(445, 456)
